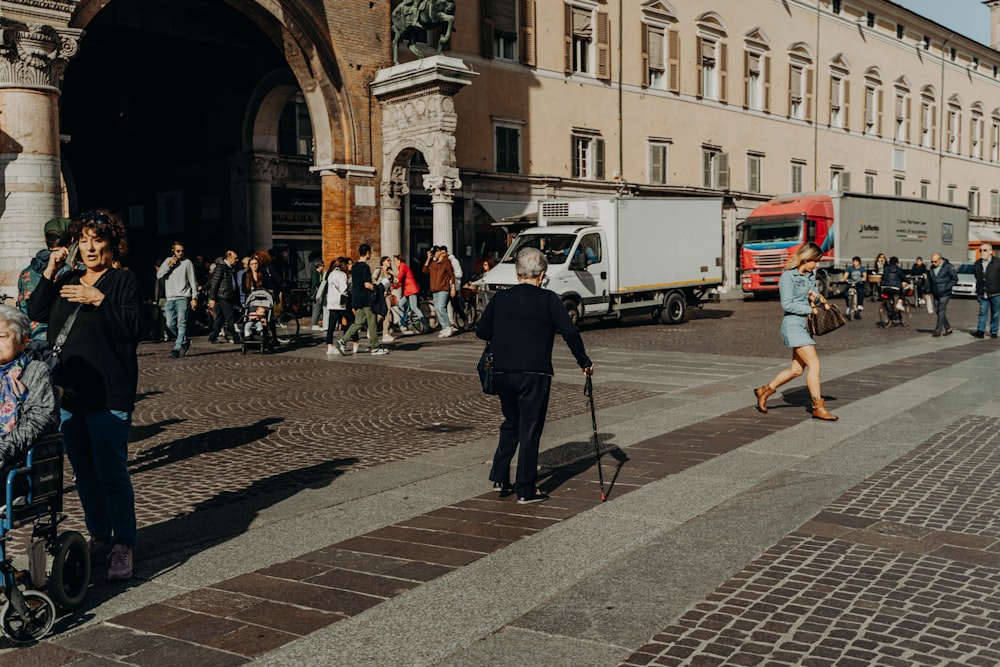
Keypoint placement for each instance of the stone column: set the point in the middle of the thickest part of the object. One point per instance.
(442, 198)
(261, 209)
(33, 58)
(393, 191)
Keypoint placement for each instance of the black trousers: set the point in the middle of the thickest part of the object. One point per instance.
(224, 316)
(524, 399)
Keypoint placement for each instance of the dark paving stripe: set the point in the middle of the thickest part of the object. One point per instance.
(344, 579)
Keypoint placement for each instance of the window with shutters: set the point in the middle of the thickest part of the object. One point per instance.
(925, 187)
(870, 182)
(897, 186)
(954, 125)
(800, 83)
(901, 115)
(974, 201)
(976, 132)
(995, 138)
(756, 71)
(715, 168)
(295, 134)
(659, 161)
(507, 147)
(928, 118)
(660, 47)
(837, 178)
(587, 40)
(505, 29)
(873, 102)
(711, 58)
(952, 189)
(836, 101)
(583, 40)
(754, 172)
(587, 155)
(995, 203)
(657, 46)
(796, 182)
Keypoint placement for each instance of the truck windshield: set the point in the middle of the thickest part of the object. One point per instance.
(772, 232)
(555, 246)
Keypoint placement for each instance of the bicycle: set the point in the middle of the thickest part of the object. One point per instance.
(893, 308)
(852, 304)
(289, 308)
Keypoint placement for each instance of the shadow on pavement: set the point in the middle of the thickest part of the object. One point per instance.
(193, 445)
(562, 463)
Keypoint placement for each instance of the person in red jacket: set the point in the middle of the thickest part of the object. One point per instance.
(413, 317)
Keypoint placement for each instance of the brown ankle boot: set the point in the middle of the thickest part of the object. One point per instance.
(820, 411)
(762, 394)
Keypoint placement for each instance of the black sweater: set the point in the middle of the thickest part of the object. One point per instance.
(99, 369)
(522, 323)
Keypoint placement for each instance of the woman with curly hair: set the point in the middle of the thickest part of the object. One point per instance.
(98, 374)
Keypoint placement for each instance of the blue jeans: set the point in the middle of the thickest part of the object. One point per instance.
(441, 306)
(410, 306)
(96, 443)
(990, 304)
(177, 320)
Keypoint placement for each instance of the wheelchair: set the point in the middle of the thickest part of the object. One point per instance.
(34, 495)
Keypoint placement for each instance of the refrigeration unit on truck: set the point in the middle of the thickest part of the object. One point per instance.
(624, 255)
(845, 225)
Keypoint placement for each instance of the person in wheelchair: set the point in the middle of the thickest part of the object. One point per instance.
(893, 283)
(29, 408)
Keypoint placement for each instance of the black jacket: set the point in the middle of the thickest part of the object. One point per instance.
(946, 278)
(893, 276)
(222, 283)
(99, 370)
(988, 281)
(522, 323)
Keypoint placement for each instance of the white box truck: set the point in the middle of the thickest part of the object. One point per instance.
(618, 255)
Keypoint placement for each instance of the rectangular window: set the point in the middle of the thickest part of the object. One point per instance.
(871, 113)
(508, 149)
(869, 183)
(926, 121)
(951, 194)
(836, 178)
(976, 140)
(709, 69)
(797, 176)
(583, 40)
(974, 201)
(836, 7)
(588, 157)
(927, 42)
(714, 169)
(754, 172)
(954, 121)
(925, 186)
(994, 204)
(900, 31)
(796, 84)
(755, 82)
(995, 141)
(898, 159)
(870, 19)
(659, 154)
(902, 119)
(897, 186)
(836, 102)
(952, 54)
(657, 60)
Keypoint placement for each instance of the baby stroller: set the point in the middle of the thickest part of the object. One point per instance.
(33, 495)
(258, 312)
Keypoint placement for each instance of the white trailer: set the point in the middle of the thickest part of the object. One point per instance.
(610, 256)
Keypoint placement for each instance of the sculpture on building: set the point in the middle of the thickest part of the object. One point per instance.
(412, 17)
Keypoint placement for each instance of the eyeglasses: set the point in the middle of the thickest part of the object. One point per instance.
(96, 217)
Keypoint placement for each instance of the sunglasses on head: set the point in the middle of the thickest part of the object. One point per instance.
(98, 218)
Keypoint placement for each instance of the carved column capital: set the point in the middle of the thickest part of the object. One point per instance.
(35, 55)
(262, 169)
(442, 188)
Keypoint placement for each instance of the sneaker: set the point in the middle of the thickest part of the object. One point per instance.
(503, 488)
(861, 307)
(331, 350)
(317, 327)
(120, 568)
(536, 497)
(377, 351)
(98, 549)
(185, 347)
(341, 347)
(900, 306)
(175, 354)
(387, 339)
(354, 350)
(445, 333)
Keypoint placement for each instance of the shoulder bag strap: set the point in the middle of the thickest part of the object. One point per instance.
(64, 332)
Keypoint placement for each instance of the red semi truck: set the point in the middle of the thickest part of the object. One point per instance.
(844, 225)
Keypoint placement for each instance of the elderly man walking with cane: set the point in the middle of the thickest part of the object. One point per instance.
(520, 323)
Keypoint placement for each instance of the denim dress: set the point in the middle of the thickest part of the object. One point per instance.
(794, 289)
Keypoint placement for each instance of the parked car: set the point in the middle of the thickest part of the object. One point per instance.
(966, 280)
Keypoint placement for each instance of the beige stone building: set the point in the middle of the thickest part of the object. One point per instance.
(256, 124)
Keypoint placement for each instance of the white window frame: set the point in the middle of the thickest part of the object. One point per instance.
(584, 55)
(897, 185)
(797, 104)
(994, 139)
(870, 182)
(658, 75)
(662, 148)
(954, 129)
(901, 120)
(926, 122)
(714, 168)
(588, 163)
(836, 178)
(755, 172)
(836, 100)
(925, 187)
(976, 140)
(710, 67)
(952, 189)
(995, 203)
(973, 201)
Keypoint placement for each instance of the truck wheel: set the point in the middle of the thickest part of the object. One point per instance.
(674, 309)
(573, 309)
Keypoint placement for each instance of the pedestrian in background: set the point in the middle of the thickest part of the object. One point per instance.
(410, 304)
(987, 271)
(521, 323)
(362, 293)
(384, 280)
(317, 291)
(799, 297)
(99, 374)
(181, 287)
(223, 295)
(56, 234)
(438, 268)
(941, 279)
(336, 299)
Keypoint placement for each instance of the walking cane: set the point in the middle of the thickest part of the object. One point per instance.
(588, 390)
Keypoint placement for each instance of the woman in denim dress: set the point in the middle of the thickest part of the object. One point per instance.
(798, 296)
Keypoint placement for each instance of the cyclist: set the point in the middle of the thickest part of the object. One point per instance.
(918, 275)
(856, 278)
(893, 282)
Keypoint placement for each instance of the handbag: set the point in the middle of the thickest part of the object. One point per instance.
(485, 368)
(825, 319)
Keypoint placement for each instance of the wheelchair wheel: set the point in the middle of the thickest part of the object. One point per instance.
(38, 622)
(70, 576)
